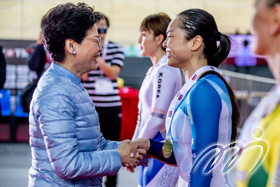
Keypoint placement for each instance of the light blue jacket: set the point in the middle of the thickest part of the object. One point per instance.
(66, 144)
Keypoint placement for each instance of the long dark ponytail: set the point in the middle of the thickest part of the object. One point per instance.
(216, 48)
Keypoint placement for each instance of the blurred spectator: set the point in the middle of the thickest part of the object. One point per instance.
(2, 72)
(245, 56)
(38, 61)
(2, 68)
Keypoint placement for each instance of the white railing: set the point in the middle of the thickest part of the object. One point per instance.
(248, 89)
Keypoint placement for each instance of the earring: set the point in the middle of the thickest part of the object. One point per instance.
(74, 52)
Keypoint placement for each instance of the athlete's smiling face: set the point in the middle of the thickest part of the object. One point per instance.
(178, 48)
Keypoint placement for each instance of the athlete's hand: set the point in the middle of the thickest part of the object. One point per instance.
(143, 144)
(125, 153)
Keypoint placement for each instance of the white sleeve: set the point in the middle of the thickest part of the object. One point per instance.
(164, 84)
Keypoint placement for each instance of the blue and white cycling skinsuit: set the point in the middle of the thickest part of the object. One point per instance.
(160, 85)
(199, 117)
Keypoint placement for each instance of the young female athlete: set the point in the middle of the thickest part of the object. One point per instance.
(160, 85)
(203, 115)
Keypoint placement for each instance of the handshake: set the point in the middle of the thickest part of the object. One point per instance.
(131, 152)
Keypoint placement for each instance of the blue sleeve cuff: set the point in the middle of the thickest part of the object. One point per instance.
(156, 151)
(115, 159)
(144, 161)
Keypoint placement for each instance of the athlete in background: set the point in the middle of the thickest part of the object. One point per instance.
(160, 85)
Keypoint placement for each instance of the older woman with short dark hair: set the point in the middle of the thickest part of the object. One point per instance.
(66, 144)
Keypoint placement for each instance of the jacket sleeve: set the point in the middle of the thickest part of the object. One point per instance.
(107, 144)
(56, 117)
(163, 86)
(2, 69)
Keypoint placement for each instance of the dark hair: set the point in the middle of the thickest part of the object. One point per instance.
(106, 19)
(67, 21)
(42, 21)
(157, 23)
(216, 48)
(245, 43)
(271, 3)
(199, 22)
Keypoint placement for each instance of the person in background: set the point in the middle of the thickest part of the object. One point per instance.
(2, 68)
(245, 57)
(38, 59)
(67, 147)
(2, 72)
(102, 87)
(159, 87)
(263, 123)
(204, 113)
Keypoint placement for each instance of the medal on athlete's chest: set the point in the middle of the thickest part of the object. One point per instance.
(167, 148)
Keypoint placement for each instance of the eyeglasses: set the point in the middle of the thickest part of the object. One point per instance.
(98, 40)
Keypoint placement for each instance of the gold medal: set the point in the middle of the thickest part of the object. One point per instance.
(167, 148)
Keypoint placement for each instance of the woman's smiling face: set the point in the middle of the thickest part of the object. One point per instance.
(178, 48)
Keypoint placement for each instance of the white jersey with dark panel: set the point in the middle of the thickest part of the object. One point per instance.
(103, 91)
(160, 85)
(157, 91)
